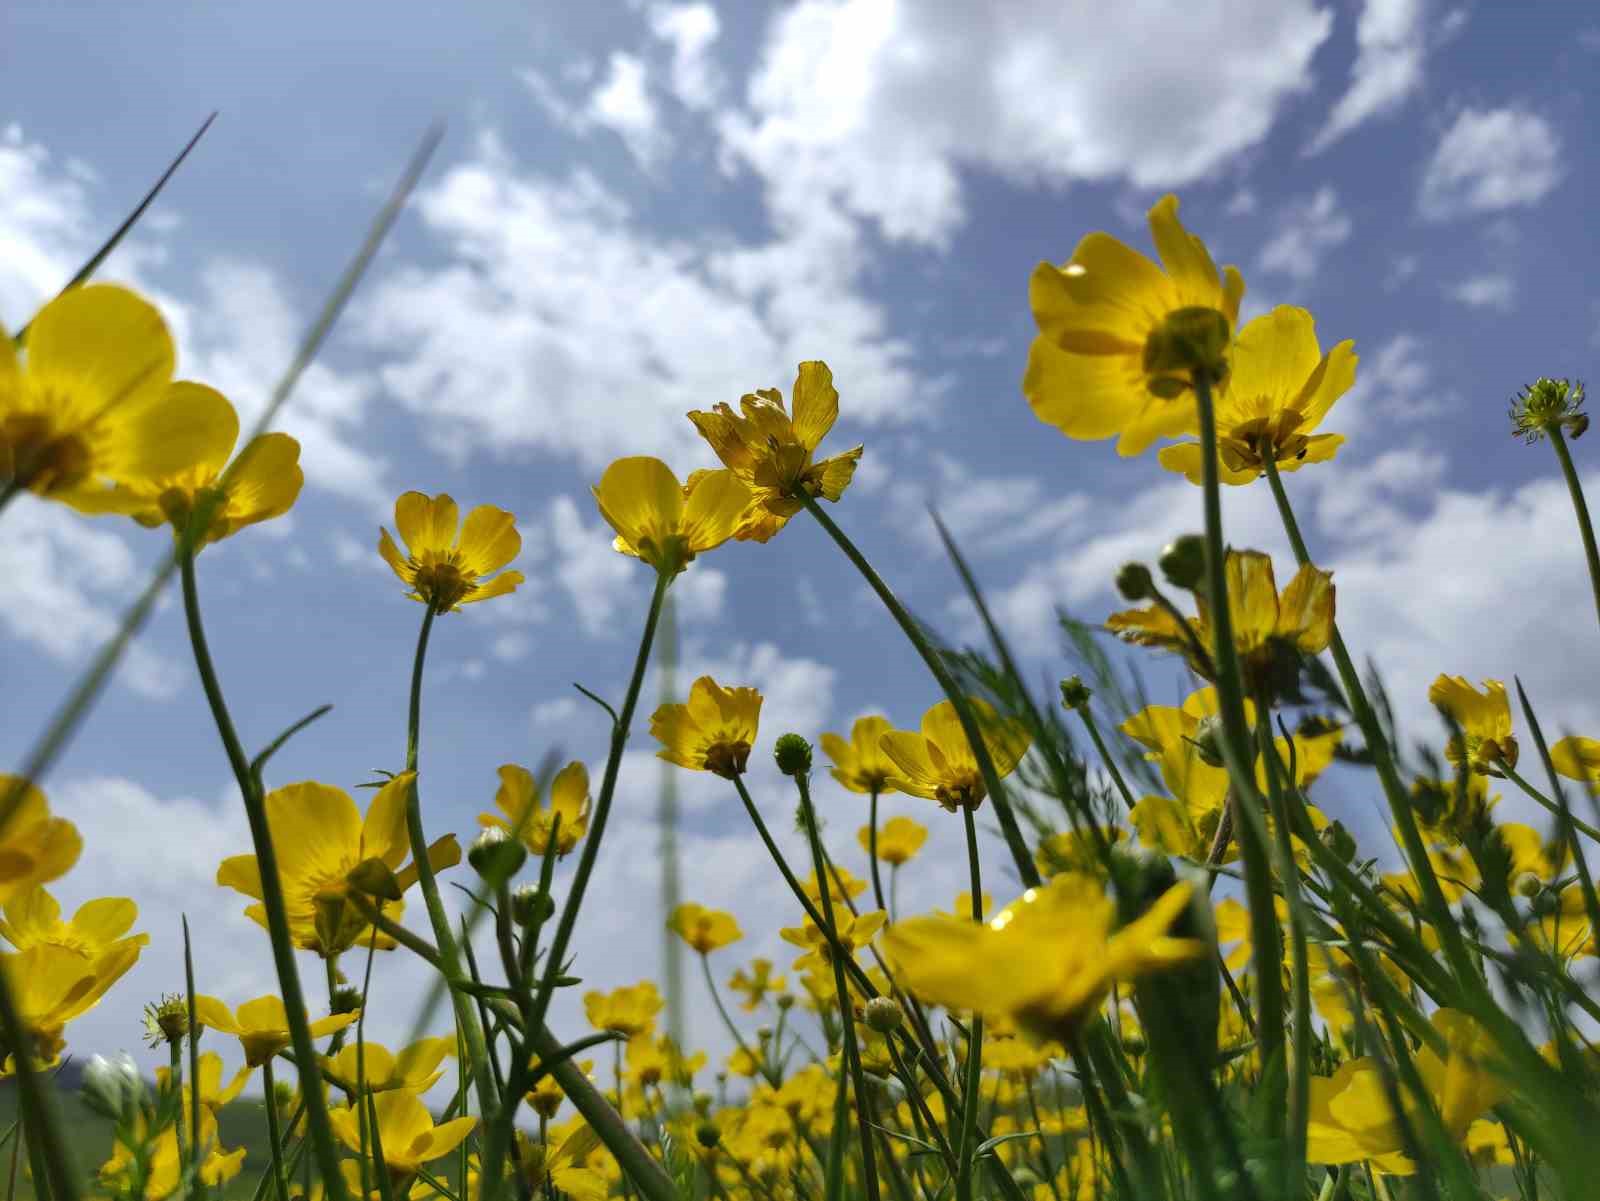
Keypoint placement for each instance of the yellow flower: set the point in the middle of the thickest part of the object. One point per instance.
(325, 850)
(51, 984)
(1302, 617)
(546, 1096)
(1351, 1118)
(262, 1025)
(704, 929)
(35, 917)
(1074, 851)
(860, 764)
(663, 522)
(1280, 388)
(1485, 740)
(1577, 759)
(405, 1131)
(1119, 337)
(629, 1010)
(652, 1060)
(526, 815)
(561, 1163)
(213, 1093)
(938, 763)
(35, 848)
(445, 568)
(839, 881)
(163, 1172)
(264, 484)
(712, 732)
(853, 931)
(756, 983)
(415, 1068)
(87, 407)
(1046, 961)
(772, 453)
(899, 839)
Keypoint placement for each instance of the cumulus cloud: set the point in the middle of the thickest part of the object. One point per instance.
(622, 103)
(1307, 229)
(1390, 50)
(1488, 161)
(691, 30)
(1493, 290)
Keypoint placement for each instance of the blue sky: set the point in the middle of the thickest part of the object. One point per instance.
(642, 208)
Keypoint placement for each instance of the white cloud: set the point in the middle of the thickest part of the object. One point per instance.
(552, 712)
(1307, 229)
(690, 29)
(1242, 203)
(1158, 95)
(622, 104)
(1494, 290)
(1395, 383)
(984, 514)
(1402, 269)
(699, 594)
(1390, 49)
(598, 580)
(1488, 161)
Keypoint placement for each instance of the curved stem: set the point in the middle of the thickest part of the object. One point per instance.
(974, 1085)
(722, 1012)
(1577, 822)
(294, 1001)
(1581, 507)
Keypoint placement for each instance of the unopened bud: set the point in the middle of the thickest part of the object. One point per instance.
(707, 1133)
(1075, 693)
(702, 1102)
(1135, 582)
(1208, 739)
(1184, 562)
(883, 1014)
(530, 904)
(345, 999)
(793, 754)
(1527, 885)
(784, 1000)
(495, 855)
(1338, 840)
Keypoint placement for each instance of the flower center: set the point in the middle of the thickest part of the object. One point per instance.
(728, 758)
(442, 583)
(41, 458)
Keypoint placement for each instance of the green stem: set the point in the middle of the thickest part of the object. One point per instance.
(1581, 507)
(1093, 727)
(175, 1080)
(974, 1084)
(722, 1011)
(275, 1137)
(1560, 811)
(294, 1001)
(872, 851)
(1026, 869)
(199, 1190)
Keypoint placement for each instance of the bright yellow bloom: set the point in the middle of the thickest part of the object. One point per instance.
(712, 732)
(1280, 388)
(213, 1093)
(652, 1060)
(546, 1096)
(264, 483)
(527, 816)
(1046, 961)
(629, 1010)
(899, 839)
(35, 848)
(325, 850)
(1074, 851)
(853, 931)
(1351, 1118)
(447, 568)
(704, 929)
(1302, 617)
(415, 1068)
(35, 917)
(860, 764)
(1577, 759)
(772, 453)
(163, 1172)
(756, 983)
(666, 523)
(1119, 337)
(840, 881)
(86, 407)
(1485, 740)
(405, 1130)
(938, 763)
(51, 984)
(262, 1025)
(561, 1162)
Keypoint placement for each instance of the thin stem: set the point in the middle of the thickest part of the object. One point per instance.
(1581, 507)
(722, 1011)
(1577, 823)
(1026, 869)
(199, 1190)
(872, 850)
(274, 1136)
(1093, 727)
(175, 1080)
(294, 1001)
(974, 1083)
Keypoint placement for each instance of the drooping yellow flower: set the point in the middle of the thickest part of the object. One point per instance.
(860, 764)
(629, 1010)
(35, 848)
(406, 1132)
(756, 983)
(527, 816)
(772, 452)
(35, 917)
(1351, 1118)
(1046, 961)
(712, 732)
(415, 1068)
(1485, 740)
(163, 1171)
(52, 984)
(261, 1025)
(1119, 338)
(704, 929)
(666, 523)
(937, 762)
(1280, 388)
(325, 851)
(899, 839)
(85, 407)
(264, 483)
(445, 567)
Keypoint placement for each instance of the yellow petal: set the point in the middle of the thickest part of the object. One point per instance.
(641, 499)
(503, 583)
(213, 1014)
(193, 426)
(102, 345)
(717, 500)
(489, 540)
(815, 403)
(266, 480)
(383, 830)
(1183, 255)
(1100, 302)
(1085, 396)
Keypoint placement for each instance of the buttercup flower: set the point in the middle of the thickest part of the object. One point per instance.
(772, 452)
(527, 816)
(213, 1093)
(860, 764)
(546, 1096)
(561, 1162)
(325, 850)
(35, 918)
(35, 848)
(756, 983)
(405, 1131)
(445, 567)
(630, 1010)
(899, 839)
(1280, 388)
(164, 1171)
(712, 732)
(262, 1025)
(51, 984)
(1577, 759)
(1119, 338)
(666, 523)
(937, 762)
(415, 1068)
(1045, 962)
(704, 929)
(1485, 740)
(853, 931)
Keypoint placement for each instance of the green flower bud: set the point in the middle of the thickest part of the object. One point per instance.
(495, 855)
(793, 754)
(1207, 740)
(1135, 582)
(1075, 693)
(530, 903)
(883, 1014)
(1339, 840)
(345, 1000)
(1527, 885)
(1546, 405)
(1183, 562)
